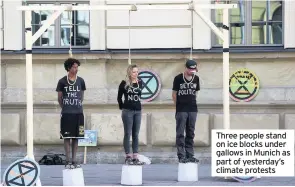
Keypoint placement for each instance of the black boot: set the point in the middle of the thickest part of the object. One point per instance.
(76, 165)
(192, 159)
(128, 160)
(137, 162)
(68, 165)
(182, 160)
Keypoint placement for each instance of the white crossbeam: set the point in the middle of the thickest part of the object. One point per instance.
(125, 7)
(46, 25)
(210, 24)
(75, 7)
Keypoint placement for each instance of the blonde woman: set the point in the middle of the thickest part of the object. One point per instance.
(131, 88)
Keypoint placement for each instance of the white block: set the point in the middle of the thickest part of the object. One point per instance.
(73, 177)
(131, 175)
(187, 172)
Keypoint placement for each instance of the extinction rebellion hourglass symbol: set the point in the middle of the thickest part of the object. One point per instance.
(151, 85)
(23, 172)
(243, 85)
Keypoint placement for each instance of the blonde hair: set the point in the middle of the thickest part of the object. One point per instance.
(128, 79)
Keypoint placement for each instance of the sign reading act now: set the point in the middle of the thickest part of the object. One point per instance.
(252, 153)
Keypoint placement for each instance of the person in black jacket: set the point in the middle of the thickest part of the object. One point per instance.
(131, 88)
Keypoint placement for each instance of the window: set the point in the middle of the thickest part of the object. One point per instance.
(257, 22)
(58, 35)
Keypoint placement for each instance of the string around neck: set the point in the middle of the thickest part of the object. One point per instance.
(69, 80)
(183, 76)
(134, 83)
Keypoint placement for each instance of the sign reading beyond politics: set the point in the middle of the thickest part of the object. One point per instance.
(90, 138)
(23, 172)
(243, 85)
(151, 85)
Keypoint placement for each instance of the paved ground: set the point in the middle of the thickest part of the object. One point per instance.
(153, 175)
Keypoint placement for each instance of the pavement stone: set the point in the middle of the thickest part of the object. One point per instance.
(153, 175)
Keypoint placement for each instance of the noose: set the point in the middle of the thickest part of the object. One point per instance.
(191, 8)
(133, 8)
(129, 51)
(71, 33)
(192, 35)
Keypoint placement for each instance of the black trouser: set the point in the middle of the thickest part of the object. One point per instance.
(185, 121)
(131, 120)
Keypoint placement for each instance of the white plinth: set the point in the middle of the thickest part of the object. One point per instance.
(131, 175)
(73, 177)
(187, 172)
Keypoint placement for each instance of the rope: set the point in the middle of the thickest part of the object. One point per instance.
(191, 8)
(71, 34)
(129, 57)
(192, 35)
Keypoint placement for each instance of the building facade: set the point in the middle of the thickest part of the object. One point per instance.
(261, 39)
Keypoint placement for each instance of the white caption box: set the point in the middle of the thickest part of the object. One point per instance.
(254, 153)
